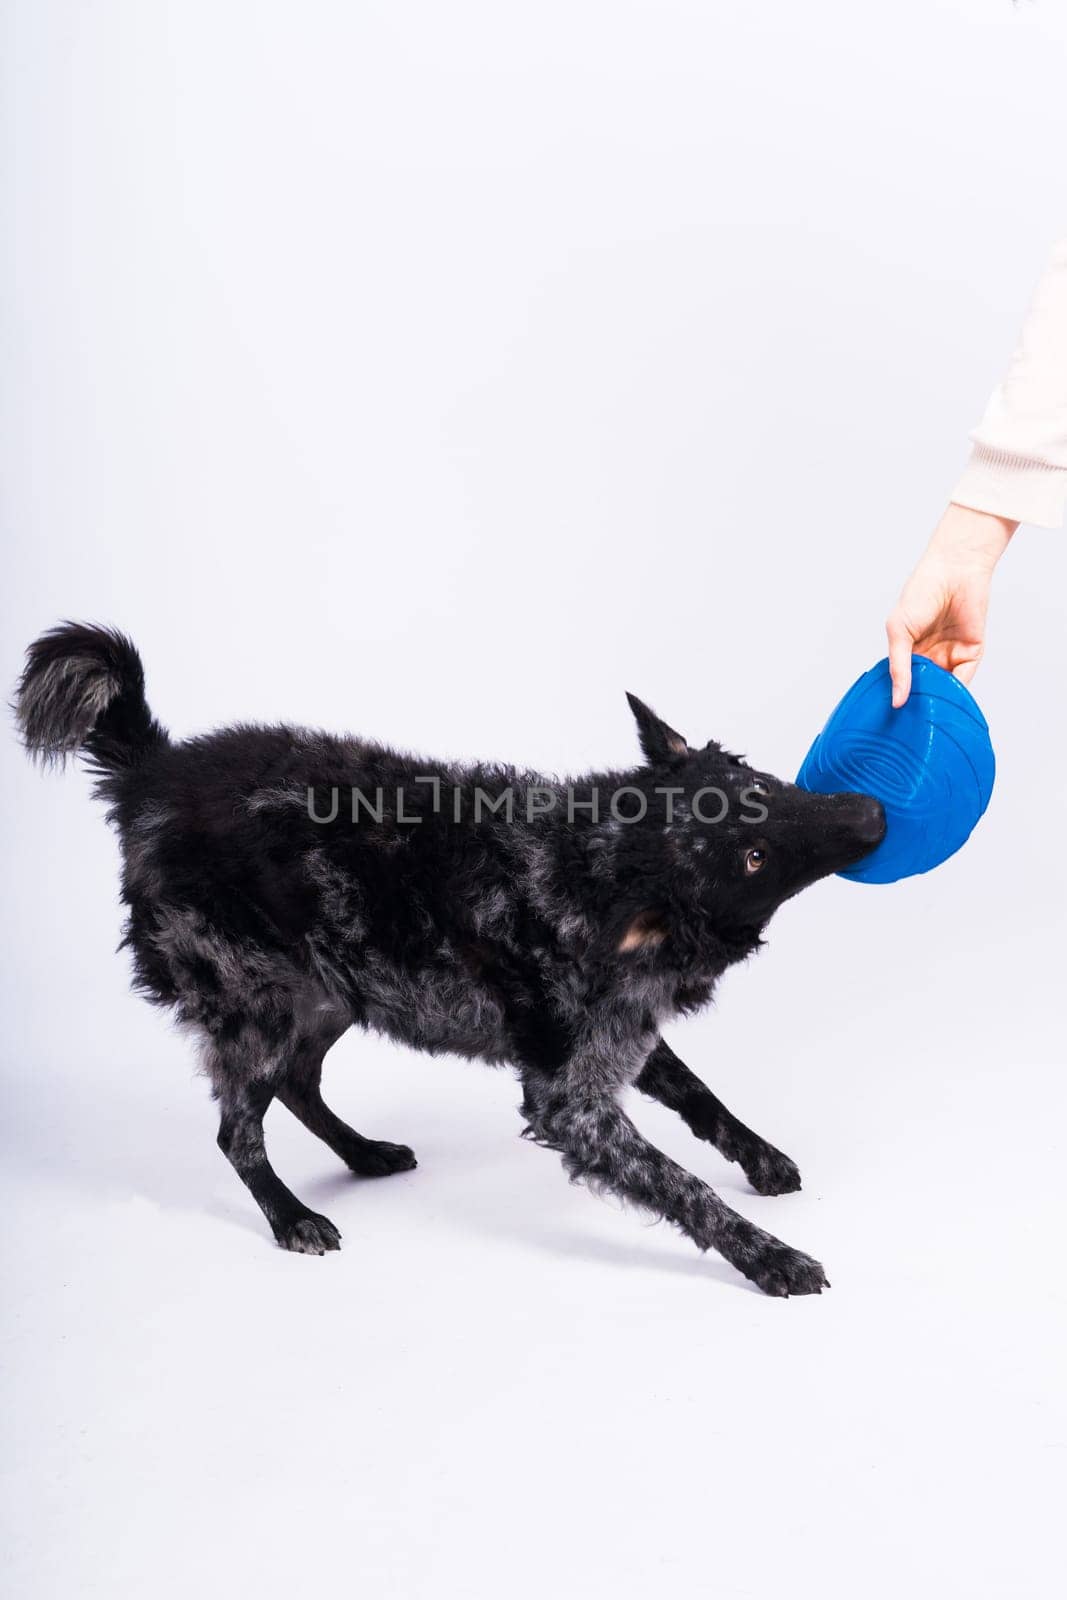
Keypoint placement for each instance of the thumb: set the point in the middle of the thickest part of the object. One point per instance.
(900, 645)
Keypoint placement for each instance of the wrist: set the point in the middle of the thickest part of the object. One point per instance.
(977, 539)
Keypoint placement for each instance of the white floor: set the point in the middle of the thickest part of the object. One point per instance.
(503, 1385)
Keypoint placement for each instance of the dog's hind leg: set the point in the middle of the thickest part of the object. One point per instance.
(668, 1080)
(240, 1139)
(246, 1054)
(300, 1091)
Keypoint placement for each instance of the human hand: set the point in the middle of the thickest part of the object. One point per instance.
(941, 612)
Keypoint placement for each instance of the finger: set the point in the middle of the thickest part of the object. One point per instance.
(900, 645)
(966, 671)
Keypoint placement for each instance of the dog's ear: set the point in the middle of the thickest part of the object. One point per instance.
(658, 740)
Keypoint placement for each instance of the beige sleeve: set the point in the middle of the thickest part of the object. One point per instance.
(1018, 467)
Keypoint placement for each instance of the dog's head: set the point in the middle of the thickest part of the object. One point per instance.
(738, 840)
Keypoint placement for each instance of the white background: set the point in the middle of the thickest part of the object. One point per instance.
(439, 371)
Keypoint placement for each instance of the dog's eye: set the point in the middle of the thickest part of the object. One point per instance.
(754, 860)
(759, 787)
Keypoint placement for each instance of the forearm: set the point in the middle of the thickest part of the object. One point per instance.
(969, 537)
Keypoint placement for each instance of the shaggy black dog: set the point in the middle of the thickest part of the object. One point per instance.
(285, 884)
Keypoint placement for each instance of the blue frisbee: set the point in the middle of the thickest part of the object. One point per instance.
(931, 765)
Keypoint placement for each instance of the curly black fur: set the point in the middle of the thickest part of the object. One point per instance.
(284, 884)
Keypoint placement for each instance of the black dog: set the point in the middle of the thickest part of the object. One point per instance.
(284, 884)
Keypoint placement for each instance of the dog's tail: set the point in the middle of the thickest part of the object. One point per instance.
(83, 690)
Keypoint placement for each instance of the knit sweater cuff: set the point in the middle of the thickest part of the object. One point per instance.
(1016, 487)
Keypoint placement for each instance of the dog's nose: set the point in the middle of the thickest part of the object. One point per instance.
(863, 816)
(870, 820)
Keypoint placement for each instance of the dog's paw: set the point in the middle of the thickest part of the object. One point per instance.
(309, 1235)
(780, 1271)
(377, 1158)
(771, 1172)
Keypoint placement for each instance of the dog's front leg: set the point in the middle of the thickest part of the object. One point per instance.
(668, 1080)
(580, 1116)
